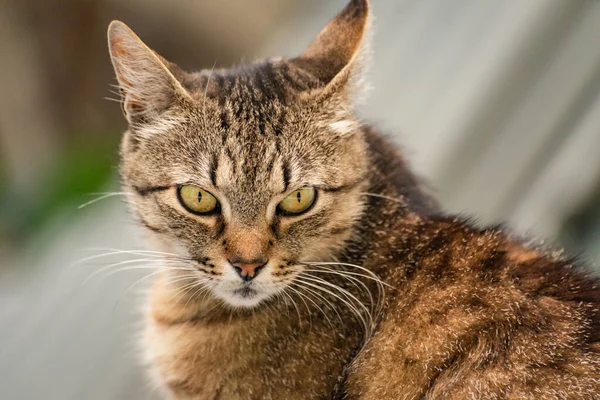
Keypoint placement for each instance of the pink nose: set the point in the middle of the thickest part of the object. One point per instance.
(248, 271)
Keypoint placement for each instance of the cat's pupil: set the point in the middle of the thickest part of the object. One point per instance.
(199, 197)
(298, 196)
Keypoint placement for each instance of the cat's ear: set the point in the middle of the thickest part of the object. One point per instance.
(337, 56)
(148, 86)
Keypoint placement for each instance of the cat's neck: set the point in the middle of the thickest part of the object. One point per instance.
(391, 176)
(395, 200)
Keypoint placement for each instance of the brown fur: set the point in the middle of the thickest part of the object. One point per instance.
(468, 313)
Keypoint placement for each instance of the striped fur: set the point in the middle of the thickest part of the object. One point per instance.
(467, 313)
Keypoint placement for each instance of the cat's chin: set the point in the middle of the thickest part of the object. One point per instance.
(243, 297)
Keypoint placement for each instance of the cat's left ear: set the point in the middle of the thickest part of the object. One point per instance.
(337, 57)
(146, 80)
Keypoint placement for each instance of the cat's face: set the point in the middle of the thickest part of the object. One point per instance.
(246, 174)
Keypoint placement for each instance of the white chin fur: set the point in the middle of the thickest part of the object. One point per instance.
(235, 298)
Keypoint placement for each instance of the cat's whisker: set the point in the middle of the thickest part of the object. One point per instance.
(328, 303)
(189, 283)
(104, 255)
(276, 305)
(306, 280)
(348, 295)
(316, 305)
(202, 294)
(380, 284)
(144, 278)
(114, 265)
(287, 295)
(117, 93)
(196, 287)
(157, 267)
(111, 99)
(178, 294)
(115, 193)
(102, 197)
(142, 266)
(182, 277)
(151, 274)
(103, 266)
(137, 282)
(305, 304)
(382, 196)
(204, 286)
(370, 273)
(210, 285)
(371, 276)
(143, 262)
(348, 304)
(113, 251)
(160, 253)
(195, 281)
(354, 281)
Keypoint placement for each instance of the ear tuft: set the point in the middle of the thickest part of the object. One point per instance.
(335, 56)
(147, 85)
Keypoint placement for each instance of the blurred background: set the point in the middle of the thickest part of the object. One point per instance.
(495, 102)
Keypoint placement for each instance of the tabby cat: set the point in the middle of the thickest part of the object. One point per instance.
(303, 260)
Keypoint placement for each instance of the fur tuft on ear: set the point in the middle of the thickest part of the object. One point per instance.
(337, 56)
(148, 86)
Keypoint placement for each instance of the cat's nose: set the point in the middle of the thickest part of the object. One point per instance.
(247, 270)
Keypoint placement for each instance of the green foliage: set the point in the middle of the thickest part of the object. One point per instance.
(85, 166)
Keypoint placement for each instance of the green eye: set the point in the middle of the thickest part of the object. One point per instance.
(196, 200)
(298, 202)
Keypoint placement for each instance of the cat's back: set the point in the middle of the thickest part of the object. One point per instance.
(477, 314)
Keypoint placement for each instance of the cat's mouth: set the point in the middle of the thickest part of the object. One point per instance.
(244, 294)
(246, 291)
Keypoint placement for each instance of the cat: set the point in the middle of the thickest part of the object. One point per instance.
(304, 260)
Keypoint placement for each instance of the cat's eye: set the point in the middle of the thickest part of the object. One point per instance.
(298, 201)
(197, 200)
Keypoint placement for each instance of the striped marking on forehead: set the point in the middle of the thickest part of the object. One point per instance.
(236, 164)
(255, 94)
(273, 80)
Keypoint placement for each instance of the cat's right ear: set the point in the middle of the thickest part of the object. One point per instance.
(147, 85)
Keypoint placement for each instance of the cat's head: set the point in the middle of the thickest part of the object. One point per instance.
(249, 172)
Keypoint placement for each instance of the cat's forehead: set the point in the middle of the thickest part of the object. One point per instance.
(252, 85)
(247, 108)
(253, 116)
(249, 132)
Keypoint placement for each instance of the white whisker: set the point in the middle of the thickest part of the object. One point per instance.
(283, 292)
(327, 302)
(351, 279)
(145, 253)
(348, 301)
(141, 280)
(147, 263)
(305, 305)
(131, 268)
(381, 196)
(368, 271)
(105, 196)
